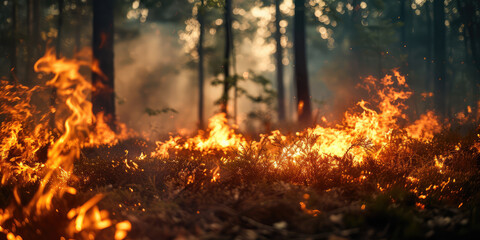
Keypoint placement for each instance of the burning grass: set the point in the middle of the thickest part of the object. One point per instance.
(376, 174)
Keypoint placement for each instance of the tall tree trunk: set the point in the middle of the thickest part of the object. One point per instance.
(354, 57)
(201, 15)
(439, 48)
(103, 96)
(36, 29)
(29, 42)
(403, 29)
(13, 49)
(428, 46)
(429, 79)
(279, 58)
(304, 108)
(58, 43)
(226, 59)
(405, 20)
(33, 37)
(467, 13)
(58, 50)
(78, 25)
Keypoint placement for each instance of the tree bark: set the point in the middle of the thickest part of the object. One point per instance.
(279, 58)
(429, 76)
(58, 46)
(226, 59)
(78, 25)
(29, 54)
(353, 34)
(471, 32)
(403, 29)
(33, 37)
(405, 19)
(201, 15)
(13, 49)
(103, 96)
(304, 108)
(428, 45)
(439, 49)
(58, 50)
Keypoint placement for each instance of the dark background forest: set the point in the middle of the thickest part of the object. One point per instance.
(171, 64)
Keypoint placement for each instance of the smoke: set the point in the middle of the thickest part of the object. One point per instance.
(150, 73)
(152, 70)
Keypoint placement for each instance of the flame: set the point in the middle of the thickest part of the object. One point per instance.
(26, 134)
(300, 107)
(220, 137)
(364, 132)
(31, 152)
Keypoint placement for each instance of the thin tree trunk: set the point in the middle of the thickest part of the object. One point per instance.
(226, 59)
(58, 46)
(29, 54)
(103, 96)
(428, 45)
(403, 29)
(13, 53)
(78, 25)
(429, 79)
(33, 37)
(354, 57)
(36, 29)
(279, 58)
(58, 49)
(304, 108)
(201, 15)
(439, 56)
(467, 14)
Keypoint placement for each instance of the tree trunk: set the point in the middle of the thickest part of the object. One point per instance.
(58, 49)
(29, 54)
(103, 96)
(58, 46)
(467, 13)
(304, 108)
(226, 59)
(354, 57)
(405, 20)
(403, 29)
(429, 78)
(201, 14)
(78, 25)
(13, 49)
(439, 48)
(428, 45)
(279, 58)
(33, 37)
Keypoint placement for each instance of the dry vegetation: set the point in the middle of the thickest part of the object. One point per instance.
(405, 194)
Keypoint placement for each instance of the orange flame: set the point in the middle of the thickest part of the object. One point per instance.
(23, 142)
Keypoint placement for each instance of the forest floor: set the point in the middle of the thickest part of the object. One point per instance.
(236, 195)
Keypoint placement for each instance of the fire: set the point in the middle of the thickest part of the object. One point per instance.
(23, 134)
(32, 152)
(365, 132)
(27, 133)
(220, 137)
(300, 107)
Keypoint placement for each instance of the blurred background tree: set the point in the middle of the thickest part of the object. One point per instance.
(166, 54)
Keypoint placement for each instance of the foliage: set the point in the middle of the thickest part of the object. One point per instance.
(155, 112)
